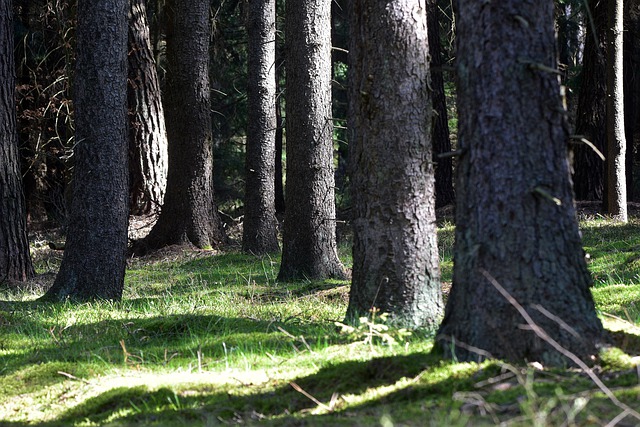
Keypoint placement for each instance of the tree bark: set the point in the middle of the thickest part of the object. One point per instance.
(515, 215)
(147, 133)
(15, 259)
(94, 260)
(309, 240)
(189, 214)
(260, 232)
(589, 168)
(631, 85)
(440, 129)
(395, 253)
(616, 141)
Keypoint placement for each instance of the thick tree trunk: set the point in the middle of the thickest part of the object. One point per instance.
(395, 254)
(15, 260)
(440, 130)
(147, 133)
(588, 177)
(260, 231)
(189, 214)
(95, 256)
(309, 240)
(515, 216)
(616, 141)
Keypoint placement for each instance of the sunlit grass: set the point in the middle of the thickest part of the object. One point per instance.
(204, 338)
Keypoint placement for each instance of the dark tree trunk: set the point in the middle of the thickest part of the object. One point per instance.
(616, 141)
(189, 214)
(95, 256)
(631, 68)
(631, 85)
(395, 254)
(588, 177)
(515, 217)
(309, 240)
(279, 186)
(147, 133)
(440, 130)
(260, 232)
(15, 259)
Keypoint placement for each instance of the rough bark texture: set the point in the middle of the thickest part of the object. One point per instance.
(440, 130)
(279, 184)
(515, 216)
(260, 232)
(15, 260)
(616, 140)
(631, 85)
(395, 254)
(189, 214)
(588, 177)
(147, 133)
(94, 260)
(309, 240)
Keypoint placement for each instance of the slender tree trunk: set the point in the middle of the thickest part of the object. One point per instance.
(279, 185)
(15, 259)
(616, 142)
(309, 240)
(515, 218)
(95, 256)
(631, 85)
(147, 133)
(260, 232)
(395, 254)
(589, 168)
(189, 214)
(279, 173)
(440, 130)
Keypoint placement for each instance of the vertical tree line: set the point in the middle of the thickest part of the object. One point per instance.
(521, 243)
(517, 239)
(189, 214)
(260, 232)
(309, 242)
(15, 260)
(395, 254)
(95, 256)
(147, 133)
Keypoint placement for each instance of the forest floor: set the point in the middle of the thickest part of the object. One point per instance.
(206, 338)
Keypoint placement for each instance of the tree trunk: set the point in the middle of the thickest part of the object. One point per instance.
(260, 231)
(631, 85)
(440, 130)
(309, 240)
(94, 260)
(515, 218)
(279, 181)
(279, 185)
(588, 177)
(147, 133)
(189, 214)
(395, 254)
(15, 259)
(616, 142)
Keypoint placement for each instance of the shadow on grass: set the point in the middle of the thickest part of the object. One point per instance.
(614, 249)
(282, 405)
(171, 340)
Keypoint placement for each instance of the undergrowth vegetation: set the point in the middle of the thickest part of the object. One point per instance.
(205, 338)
